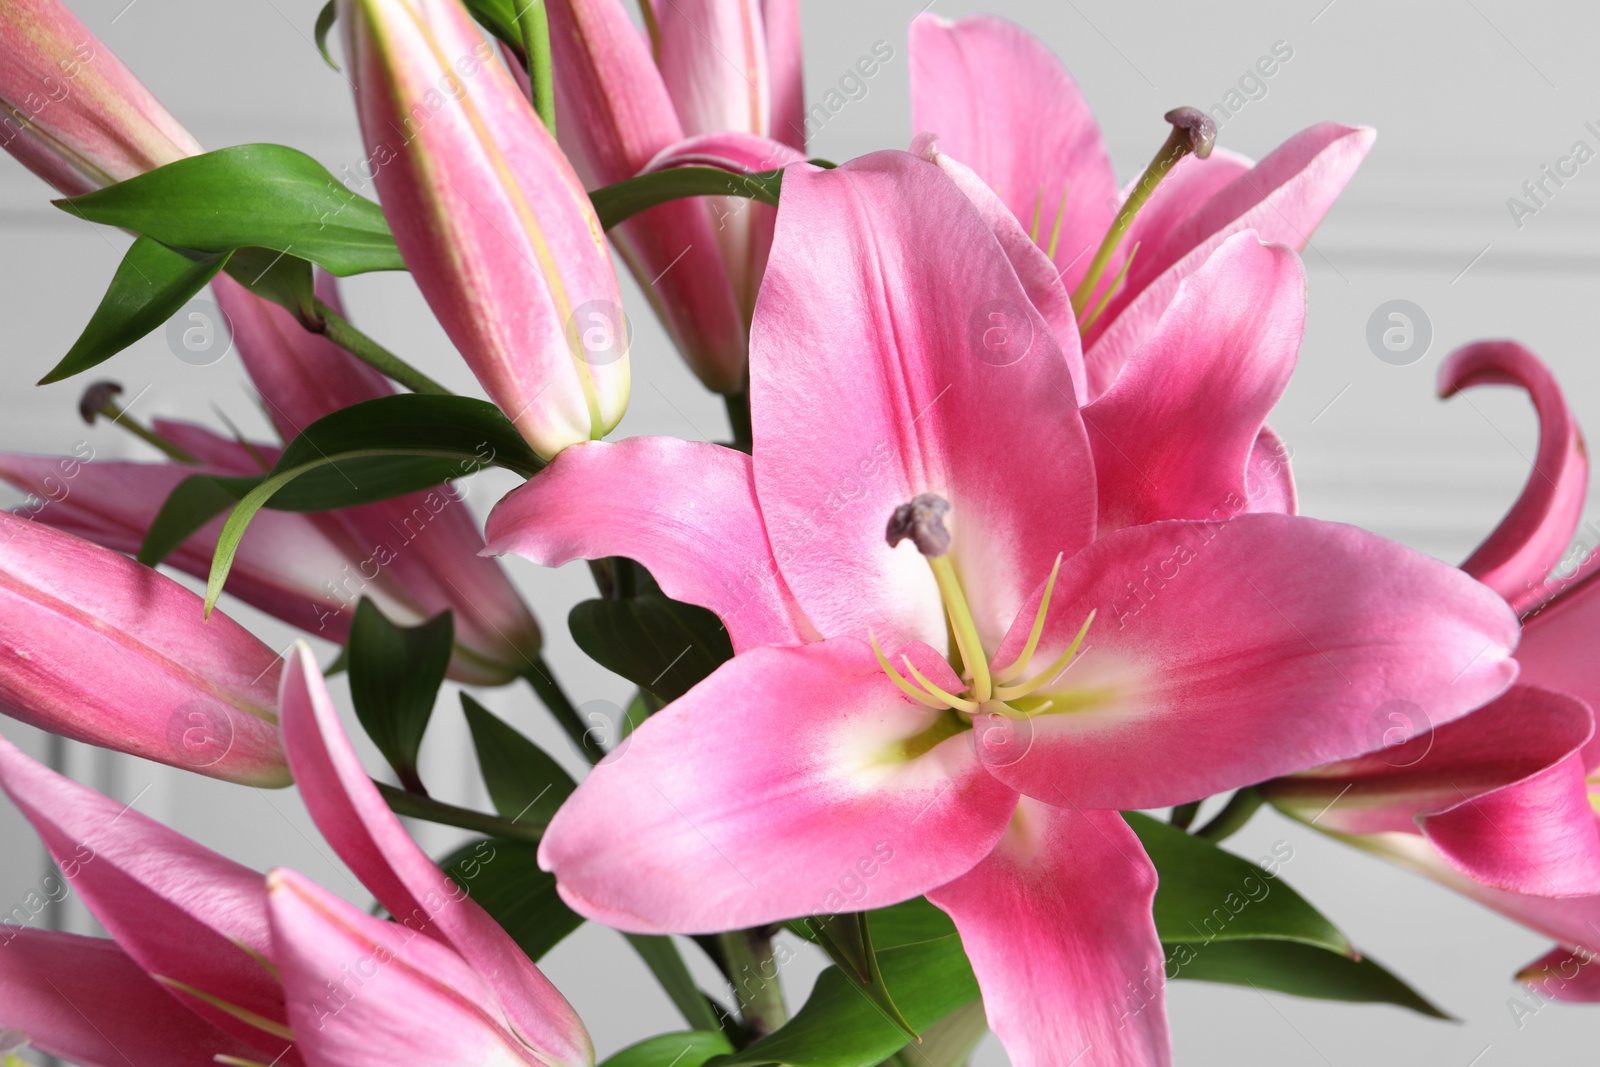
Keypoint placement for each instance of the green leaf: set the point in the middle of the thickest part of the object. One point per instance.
(1290, 967)
(661, 955)
(499, 17)
(151, 283)
(285, 280)
(395, 675)
(1207, 894)
(692, 1048)
(840, 1027)
(847, 939)
(369, 451)
(503, 876)
(661, 645)
(524, 782)
(325, 21)
(192, 503)
(625, 199)
(948, 1042)
(261, 195)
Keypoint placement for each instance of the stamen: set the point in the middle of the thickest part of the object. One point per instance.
(1055, 231)
(898, 679)
(1049, 675)
(959, 703)
(963, 626)
(1021, 664)
(1038, 206)
(100, 400)
(1111, 291)
(1192, 131)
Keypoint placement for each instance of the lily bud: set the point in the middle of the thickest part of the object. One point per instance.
(495, 226)
(97, 648)
(69, 109)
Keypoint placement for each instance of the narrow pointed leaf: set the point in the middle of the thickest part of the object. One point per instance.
(1301, 970)
(692, 1048)
(194, 502)
(524, 782)
(661, 955)
(395, 675)
(151, 283)
(662, 645)
(503, 876)
(847, 939)
(625, 199)
(250, 195)
(325, 20)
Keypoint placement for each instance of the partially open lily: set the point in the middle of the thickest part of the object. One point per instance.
(943, 649)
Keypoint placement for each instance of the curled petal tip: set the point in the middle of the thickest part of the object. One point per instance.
(1198, 125)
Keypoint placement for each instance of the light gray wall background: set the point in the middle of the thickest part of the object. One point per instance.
(1471, 98)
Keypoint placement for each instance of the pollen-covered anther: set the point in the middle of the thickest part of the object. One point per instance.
(922, 521)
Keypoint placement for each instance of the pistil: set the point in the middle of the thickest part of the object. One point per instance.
(1192, 131)
(922, 521)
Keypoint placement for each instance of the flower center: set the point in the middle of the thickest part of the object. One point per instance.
(989, 688)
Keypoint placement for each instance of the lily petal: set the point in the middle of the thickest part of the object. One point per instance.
(1269, 483)
(895, 353)
(356, 822)
(793, 781)
(83, 1000)
(1565, 975)
(686, 510)
(713, 59)
(101, 649)
(1207, 378)
(364, 992)
(1057, 924)
(785, 72)
(1534, 535)
(1293, 632)
(1557, 648)
(183, 912)
(1004, 105)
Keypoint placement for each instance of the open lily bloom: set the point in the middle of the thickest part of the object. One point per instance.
(1001, 103)
(983, 688)
(260, 960)
(717, 82)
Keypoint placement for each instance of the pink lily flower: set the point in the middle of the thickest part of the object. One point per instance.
(491, 219)
(1081, 674)
(260, 959)
(1500, 805)
(1002, 103)
(721, 87)
(82, 999)
(100, 649)
(69, 109)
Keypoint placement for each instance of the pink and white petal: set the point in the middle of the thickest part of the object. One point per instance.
(1034, 269)
(1557, 649)
(685, 510)
(364, 992)
(741, 153)
(83, 1000)
(753, 797)
(1057, 924)
(1004, 105)
(1533, 537)
(786, 108)
(1568, 975)
(894, 353)
(713, 59)
(355, 821)
(1269, 482)
(1292, 632)
(181, 911)
(1173, 437)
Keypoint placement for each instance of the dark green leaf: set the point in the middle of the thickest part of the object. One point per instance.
(1290, 967)
(847, 939)
(524, 782)
(625, 199)
(285, 280)
(840, 1027)
(192, 503)
(395, 675)
(661, 955)
(1207, 894)
(325, 20)
(661, 645)
(692, 1048)
(151, 283)
(504, 877)
(499, 17)
(262, 195)
(948, 1042)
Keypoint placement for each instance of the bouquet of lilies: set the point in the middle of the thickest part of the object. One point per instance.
(999, 562)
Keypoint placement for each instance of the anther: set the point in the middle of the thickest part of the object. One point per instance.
(922, 521)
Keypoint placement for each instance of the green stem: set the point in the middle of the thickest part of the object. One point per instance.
(1231, 819)
(560, 705)
(338, 330)
(739, 418)
(420, 807)
(753, 971)
(1183, 815)
(535, 28)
